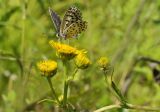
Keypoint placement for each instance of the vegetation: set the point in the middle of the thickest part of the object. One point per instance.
(113, 66)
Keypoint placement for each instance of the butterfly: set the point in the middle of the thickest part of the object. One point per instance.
(71, 25)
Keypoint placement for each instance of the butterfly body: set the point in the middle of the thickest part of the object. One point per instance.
(71, 25)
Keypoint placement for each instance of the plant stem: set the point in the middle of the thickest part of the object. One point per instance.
(118, 92)
(137, 107)
(108, 108)
(123, 102)
(112, 90)
(74, 73)
(24, 10)
(65, 92)
(52, 89)
(65, 85)
(44, 100)
(127, 106)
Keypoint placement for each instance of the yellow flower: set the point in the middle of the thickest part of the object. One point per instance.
(82, 61)
(64, 51)
(48, 68)
(103, 63)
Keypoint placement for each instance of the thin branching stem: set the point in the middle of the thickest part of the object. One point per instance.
(127, 106)
(137, 107)
(114, 106)
(52, 89)
(123, 103)
(65, 85)
(65, 92)
(74, 73)
(23, 29)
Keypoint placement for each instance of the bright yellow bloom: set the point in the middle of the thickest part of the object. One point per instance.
(48, 68)
(103, 63)
(82, 61)
(64, 51)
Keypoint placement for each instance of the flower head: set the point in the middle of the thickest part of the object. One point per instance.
(64, 51)
(48, 68)
(103, 63)
(82, 61)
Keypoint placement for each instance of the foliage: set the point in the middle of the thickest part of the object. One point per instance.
(125, 31)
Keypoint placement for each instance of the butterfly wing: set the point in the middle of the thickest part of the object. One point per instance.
(55, 19)
(75, 28)
(71, 16)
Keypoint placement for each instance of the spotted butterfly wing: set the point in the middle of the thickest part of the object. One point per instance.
(56, 20)
(75, 28)
(72, 15)
(72, 23)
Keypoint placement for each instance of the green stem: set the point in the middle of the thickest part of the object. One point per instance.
(108, 108)
(113, 87)
(48, 100)
(118, 92)
(112, 90)
(65, 92)
(127, 106)
(65, 85)
(52, 89)
(74, 73)
(137, 107)
(123, 102)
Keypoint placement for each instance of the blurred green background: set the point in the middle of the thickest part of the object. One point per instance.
(123, 30)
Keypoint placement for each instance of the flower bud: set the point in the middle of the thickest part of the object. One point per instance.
(103, 63)
(82, 61)
(48, 68)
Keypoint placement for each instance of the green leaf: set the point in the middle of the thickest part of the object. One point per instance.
(47, 100)
(115, 88)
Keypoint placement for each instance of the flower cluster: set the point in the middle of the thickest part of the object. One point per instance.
(48, 68)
